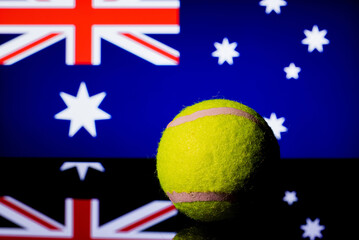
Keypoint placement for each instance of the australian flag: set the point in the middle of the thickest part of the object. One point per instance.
(88, 86)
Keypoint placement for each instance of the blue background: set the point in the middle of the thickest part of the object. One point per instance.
(320, 108)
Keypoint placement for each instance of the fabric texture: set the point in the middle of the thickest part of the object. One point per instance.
(219, 154)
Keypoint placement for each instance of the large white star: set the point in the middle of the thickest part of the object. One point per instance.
(276, 124)
(225, 51)
(315, 39)
(312, 229)
(292, 71)
(82, 110)
(290, 197)
(273, 5)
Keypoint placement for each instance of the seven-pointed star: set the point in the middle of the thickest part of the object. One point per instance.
(225, 51)
(315, 39)
(276, 124)
(312, 229)
(273, 5)
(82, 110)
(290, 197)
(292, 71)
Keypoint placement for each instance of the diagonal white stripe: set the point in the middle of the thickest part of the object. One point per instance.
(18, 43)
(138, 49)
(28, 226)
(31, 228)
(156, 43)
(19, 220)
(109, 230)
(31, 50)
(113, 226)
(33, 212)
(154, 221)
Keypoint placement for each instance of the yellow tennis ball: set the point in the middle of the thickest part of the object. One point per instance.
(210, 154)
(193, 233)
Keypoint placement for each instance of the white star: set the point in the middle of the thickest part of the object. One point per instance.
(312, 229)
(315, 39)
(82, 167)
(273, 5)
(292, 71)
(82, 110)
(276, 124)
(225, 51)
(290, 197)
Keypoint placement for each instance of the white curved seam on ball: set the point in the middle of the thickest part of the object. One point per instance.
(212, 112)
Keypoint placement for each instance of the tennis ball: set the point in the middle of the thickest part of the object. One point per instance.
(211, 155)
(192, 233)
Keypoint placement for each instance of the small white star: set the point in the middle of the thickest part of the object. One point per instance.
(82, 167)
(292, 71)
(273, 5)
(82, 110)
(312, 229)
(225, 51)
(276, 124)
(315, 39)
(290, 197)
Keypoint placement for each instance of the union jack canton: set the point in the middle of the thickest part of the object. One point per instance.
(82, 222)
(83, 23)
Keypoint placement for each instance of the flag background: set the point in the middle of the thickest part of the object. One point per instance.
(319, 151)
(320, 108)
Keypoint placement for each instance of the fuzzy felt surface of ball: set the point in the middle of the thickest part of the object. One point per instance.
(210, 156)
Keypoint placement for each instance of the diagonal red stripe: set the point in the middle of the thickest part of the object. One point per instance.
(24, 49)
(27, 214)
(146, 44)
(147, 219)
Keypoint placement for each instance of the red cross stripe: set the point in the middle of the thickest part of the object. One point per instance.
(84, 18)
